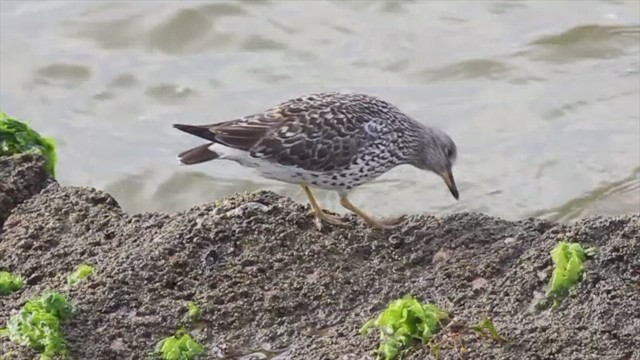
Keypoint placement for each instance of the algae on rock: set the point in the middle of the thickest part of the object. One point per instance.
(16, 137)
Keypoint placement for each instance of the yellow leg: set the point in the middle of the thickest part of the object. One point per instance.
(381, 224)
(320, 215)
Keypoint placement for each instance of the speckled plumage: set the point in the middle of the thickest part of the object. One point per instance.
(334, 141)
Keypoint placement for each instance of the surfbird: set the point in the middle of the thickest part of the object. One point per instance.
(330, 140)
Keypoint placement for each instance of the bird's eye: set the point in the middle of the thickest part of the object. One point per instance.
(449, 153)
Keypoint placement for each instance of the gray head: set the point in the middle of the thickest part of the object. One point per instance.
(437, 153)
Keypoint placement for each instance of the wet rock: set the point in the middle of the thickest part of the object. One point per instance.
(264, 275)
(21, 176)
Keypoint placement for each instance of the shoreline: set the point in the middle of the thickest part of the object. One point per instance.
(268, 283)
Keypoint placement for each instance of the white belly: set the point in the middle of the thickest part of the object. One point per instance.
(339, 180)
(266, 169)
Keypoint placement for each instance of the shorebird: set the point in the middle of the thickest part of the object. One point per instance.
(333, 141)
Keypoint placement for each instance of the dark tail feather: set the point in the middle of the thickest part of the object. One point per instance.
(199, 131)
(197, 155)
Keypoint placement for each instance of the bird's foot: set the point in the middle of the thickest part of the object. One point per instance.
(383, 223)
(321, 216)
(371, 221)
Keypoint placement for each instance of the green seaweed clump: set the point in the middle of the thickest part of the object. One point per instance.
(181, 346)
(16, 137)
(403, 323)
(9, 283)
(486, 328)
(193, 312)
(79, 274)
(37, 324)
(568, 259)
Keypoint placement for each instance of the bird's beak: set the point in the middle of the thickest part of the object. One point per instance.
(451, 183)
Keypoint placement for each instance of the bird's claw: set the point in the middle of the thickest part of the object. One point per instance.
(322, 216)
(386, 223)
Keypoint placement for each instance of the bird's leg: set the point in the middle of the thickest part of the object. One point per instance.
(319, 214)
(380, 224)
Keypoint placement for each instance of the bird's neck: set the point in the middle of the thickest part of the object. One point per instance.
(412, 141)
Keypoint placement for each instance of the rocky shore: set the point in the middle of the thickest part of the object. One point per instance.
(270, 286)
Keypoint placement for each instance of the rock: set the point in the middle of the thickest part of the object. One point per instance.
(479, 283)
(268, 277)
(440, 256)
(244, 209)
(21, 176)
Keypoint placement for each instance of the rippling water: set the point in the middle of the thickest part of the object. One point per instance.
(542, 97)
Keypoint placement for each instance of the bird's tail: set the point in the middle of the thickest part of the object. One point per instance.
(200, 131)
(197, 155)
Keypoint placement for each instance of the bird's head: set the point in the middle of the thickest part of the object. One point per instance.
(437, 153)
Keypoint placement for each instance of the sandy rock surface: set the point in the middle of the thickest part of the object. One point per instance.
(270, 286)
(20, 178)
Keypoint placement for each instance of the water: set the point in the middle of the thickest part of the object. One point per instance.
(542, 97)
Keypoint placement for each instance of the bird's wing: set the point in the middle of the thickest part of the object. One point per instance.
(314, 133)
(241, 133)
(315, 139)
